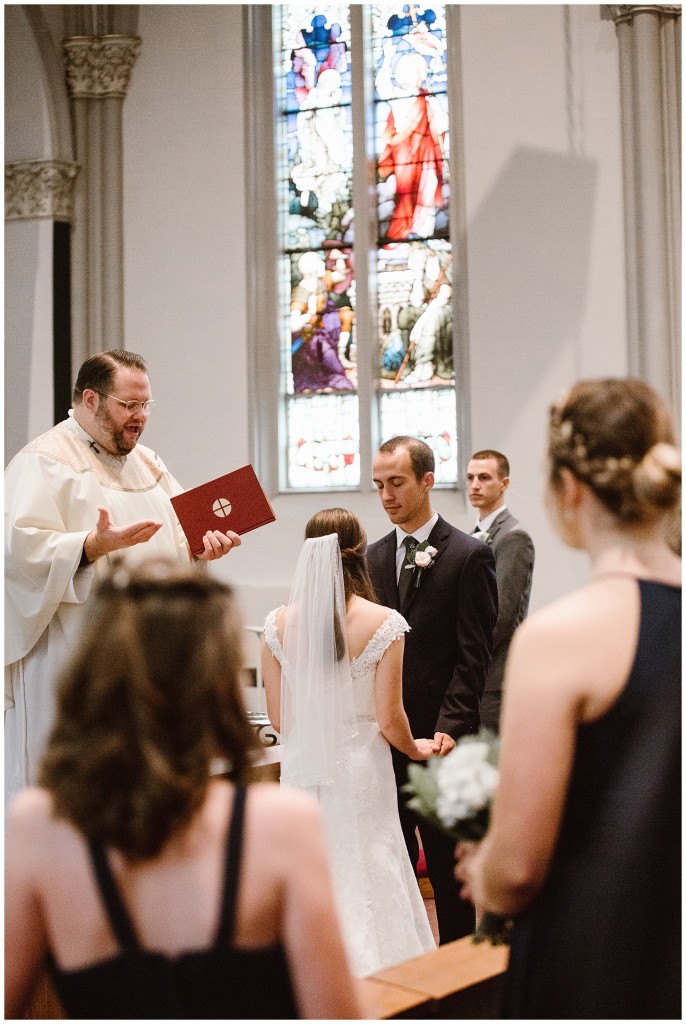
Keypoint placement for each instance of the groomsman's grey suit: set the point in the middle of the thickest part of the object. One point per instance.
(514, 565)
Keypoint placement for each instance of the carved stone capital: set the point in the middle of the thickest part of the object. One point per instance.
(625, 12)
(39, 189)
(97, 67)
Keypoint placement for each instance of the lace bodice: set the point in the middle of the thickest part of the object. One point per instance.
(393, 626)
(363, 667)
(272, 637)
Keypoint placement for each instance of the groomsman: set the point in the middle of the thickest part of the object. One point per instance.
(488, 477)
(443, 582)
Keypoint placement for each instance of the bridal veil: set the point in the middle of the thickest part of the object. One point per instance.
(317, 704)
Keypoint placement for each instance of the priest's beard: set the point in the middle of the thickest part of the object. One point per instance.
(116, 440)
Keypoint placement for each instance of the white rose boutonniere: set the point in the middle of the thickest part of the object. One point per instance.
(483, 535)
(421, 558)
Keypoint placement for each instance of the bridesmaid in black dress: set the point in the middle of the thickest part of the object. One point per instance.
(584, 849)
(150, 888)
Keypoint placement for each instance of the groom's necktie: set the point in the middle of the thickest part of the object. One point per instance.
(406, 574)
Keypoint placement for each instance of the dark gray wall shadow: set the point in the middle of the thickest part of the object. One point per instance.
(530, 239)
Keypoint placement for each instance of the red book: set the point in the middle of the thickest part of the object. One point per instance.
(235, 502)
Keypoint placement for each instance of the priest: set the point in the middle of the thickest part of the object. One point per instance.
(79, 494)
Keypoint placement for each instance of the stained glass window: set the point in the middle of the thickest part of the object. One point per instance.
(411, 271)
(315, 182)
(324, 441)
(414, 254)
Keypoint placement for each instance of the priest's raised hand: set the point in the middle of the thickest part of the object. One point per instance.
(106, 537)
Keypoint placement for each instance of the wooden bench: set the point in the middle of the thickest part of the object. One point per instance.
(460, 980)
(268, 768)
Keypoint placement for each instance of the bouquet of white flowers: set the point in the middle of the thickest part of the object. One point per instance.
(454, 793)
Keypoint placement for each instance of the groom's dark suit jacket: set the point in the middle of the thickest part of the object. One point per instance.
(452, 614)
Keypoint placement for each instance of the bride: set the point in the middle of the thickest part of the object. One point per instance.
(332, 668)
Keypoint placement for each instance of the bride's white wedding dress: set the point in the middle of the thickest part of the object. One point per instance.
(379, 904)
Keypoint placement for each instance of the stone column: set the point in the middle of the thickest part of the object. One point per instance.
(38, 217)
(40, 189)
(650, 84)
(98, 71)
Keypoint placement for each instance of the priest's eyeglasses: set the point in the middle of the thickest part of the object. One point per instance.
(131, 407)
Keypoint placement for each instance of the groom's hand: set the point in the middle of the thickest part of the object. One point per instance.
(443, 744)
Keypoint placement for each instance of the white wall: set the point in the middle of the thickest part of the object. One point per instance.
(544, 235)
(184, 229)
(28, 247)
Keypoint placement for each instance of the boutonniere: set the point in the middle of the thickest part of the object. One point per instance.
(483, 535)
(421, 558)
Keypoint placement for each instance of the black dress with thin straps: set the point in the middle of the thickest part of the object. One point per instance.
(219, 982)
(603, 938)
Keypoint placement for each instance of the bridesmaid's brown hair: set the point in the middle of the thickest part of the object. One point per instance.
(152, 695)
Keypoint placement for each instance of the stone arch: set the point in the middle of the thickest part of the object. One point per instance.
(56, 98)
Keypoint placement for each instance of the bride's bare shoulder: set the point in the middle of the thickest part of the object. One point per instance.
(363, 620)
(368, 611)
(279, 620)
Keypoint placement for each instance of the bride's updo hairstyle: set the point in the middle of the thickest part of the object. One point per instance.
(617, 436)
(152, 695)
(352, 541)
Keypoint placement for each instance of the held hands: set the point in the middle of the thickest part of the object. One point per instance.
(218, 544)
(439, 746)
(107, 537)
(425, 750)
(443, 744)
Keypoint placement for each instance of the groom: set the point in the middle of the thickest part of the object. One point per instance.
(451, 606)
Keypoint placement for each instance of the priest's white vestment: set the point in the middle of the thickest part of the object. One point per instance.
(53, 487)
